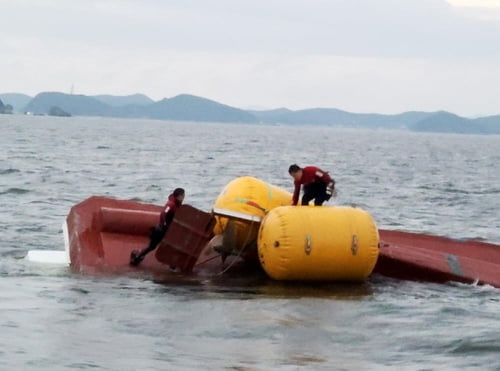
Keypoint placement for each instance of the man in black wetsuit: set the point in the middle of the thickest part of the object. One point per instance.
(167, 215)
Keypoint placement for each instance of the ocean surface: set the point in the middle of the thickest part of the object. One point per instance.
(54, 319)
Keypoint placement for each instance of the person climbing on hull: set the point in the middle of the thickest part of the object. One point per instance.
(318, 185)
(167, 215)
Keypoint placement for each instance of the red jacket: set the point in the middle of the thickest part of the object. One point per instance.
(167, 214)
(310, 174)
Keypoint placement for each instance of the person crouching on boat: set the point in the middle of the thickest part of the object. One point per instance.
(167, 215)
(318, 185)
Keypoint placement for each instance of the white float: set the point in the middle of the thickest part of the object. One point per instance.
(60, 257)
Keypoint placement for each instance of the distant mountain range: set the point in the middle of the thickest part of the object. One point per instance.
(191, 108)
(17, 101)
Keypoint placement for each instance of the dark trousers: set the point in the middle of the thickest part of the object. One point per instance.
(316, 191)
(157, 234)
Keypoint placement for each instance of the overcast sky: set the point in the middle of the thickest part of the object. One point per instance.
(385, 56)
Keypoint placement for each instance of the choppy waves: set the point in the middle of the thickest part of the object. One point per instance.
(434, 183)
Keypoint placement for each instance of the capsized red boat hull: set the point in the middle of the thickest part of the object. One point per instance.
(423, 257)
(102, 232)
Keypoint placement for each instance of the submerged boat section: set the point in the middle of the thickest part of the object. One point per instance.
(423, 257)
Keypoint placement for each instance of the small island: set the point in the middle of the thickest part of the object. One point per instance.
(5, 108)
(57, 111)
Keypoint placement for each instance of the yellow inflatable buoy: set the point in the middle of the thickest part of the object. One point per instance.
(318, 243)
(245, 201)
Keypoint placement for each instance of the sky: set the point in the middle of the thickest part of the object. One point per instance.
(383, 56)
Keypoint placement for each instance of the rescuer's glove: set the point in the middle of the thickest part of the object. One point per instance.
(329, 189)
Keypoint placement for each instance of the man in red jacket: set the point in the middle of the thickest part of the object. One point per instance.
(157, 234)
(317, 184)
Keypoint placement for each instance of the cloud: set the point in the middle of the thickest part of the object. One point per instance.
(475, 3)
(383, 28)
(358, 84)
(359, 55)
(482, 10)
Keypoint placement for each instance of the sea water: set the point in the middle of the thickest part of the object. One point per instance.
(54, 319)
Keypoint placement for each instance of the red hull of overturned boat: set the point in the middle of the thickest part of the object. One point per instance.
(102, 232)
(423, 257)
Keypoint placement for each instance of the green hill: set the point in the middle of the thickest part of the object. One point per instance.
(5, 108)
(79, 105)
(445, 122)
(489, 124)
(16, 100)
(191, 108)
(336, 117)
(182, 107)
(120, 101)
